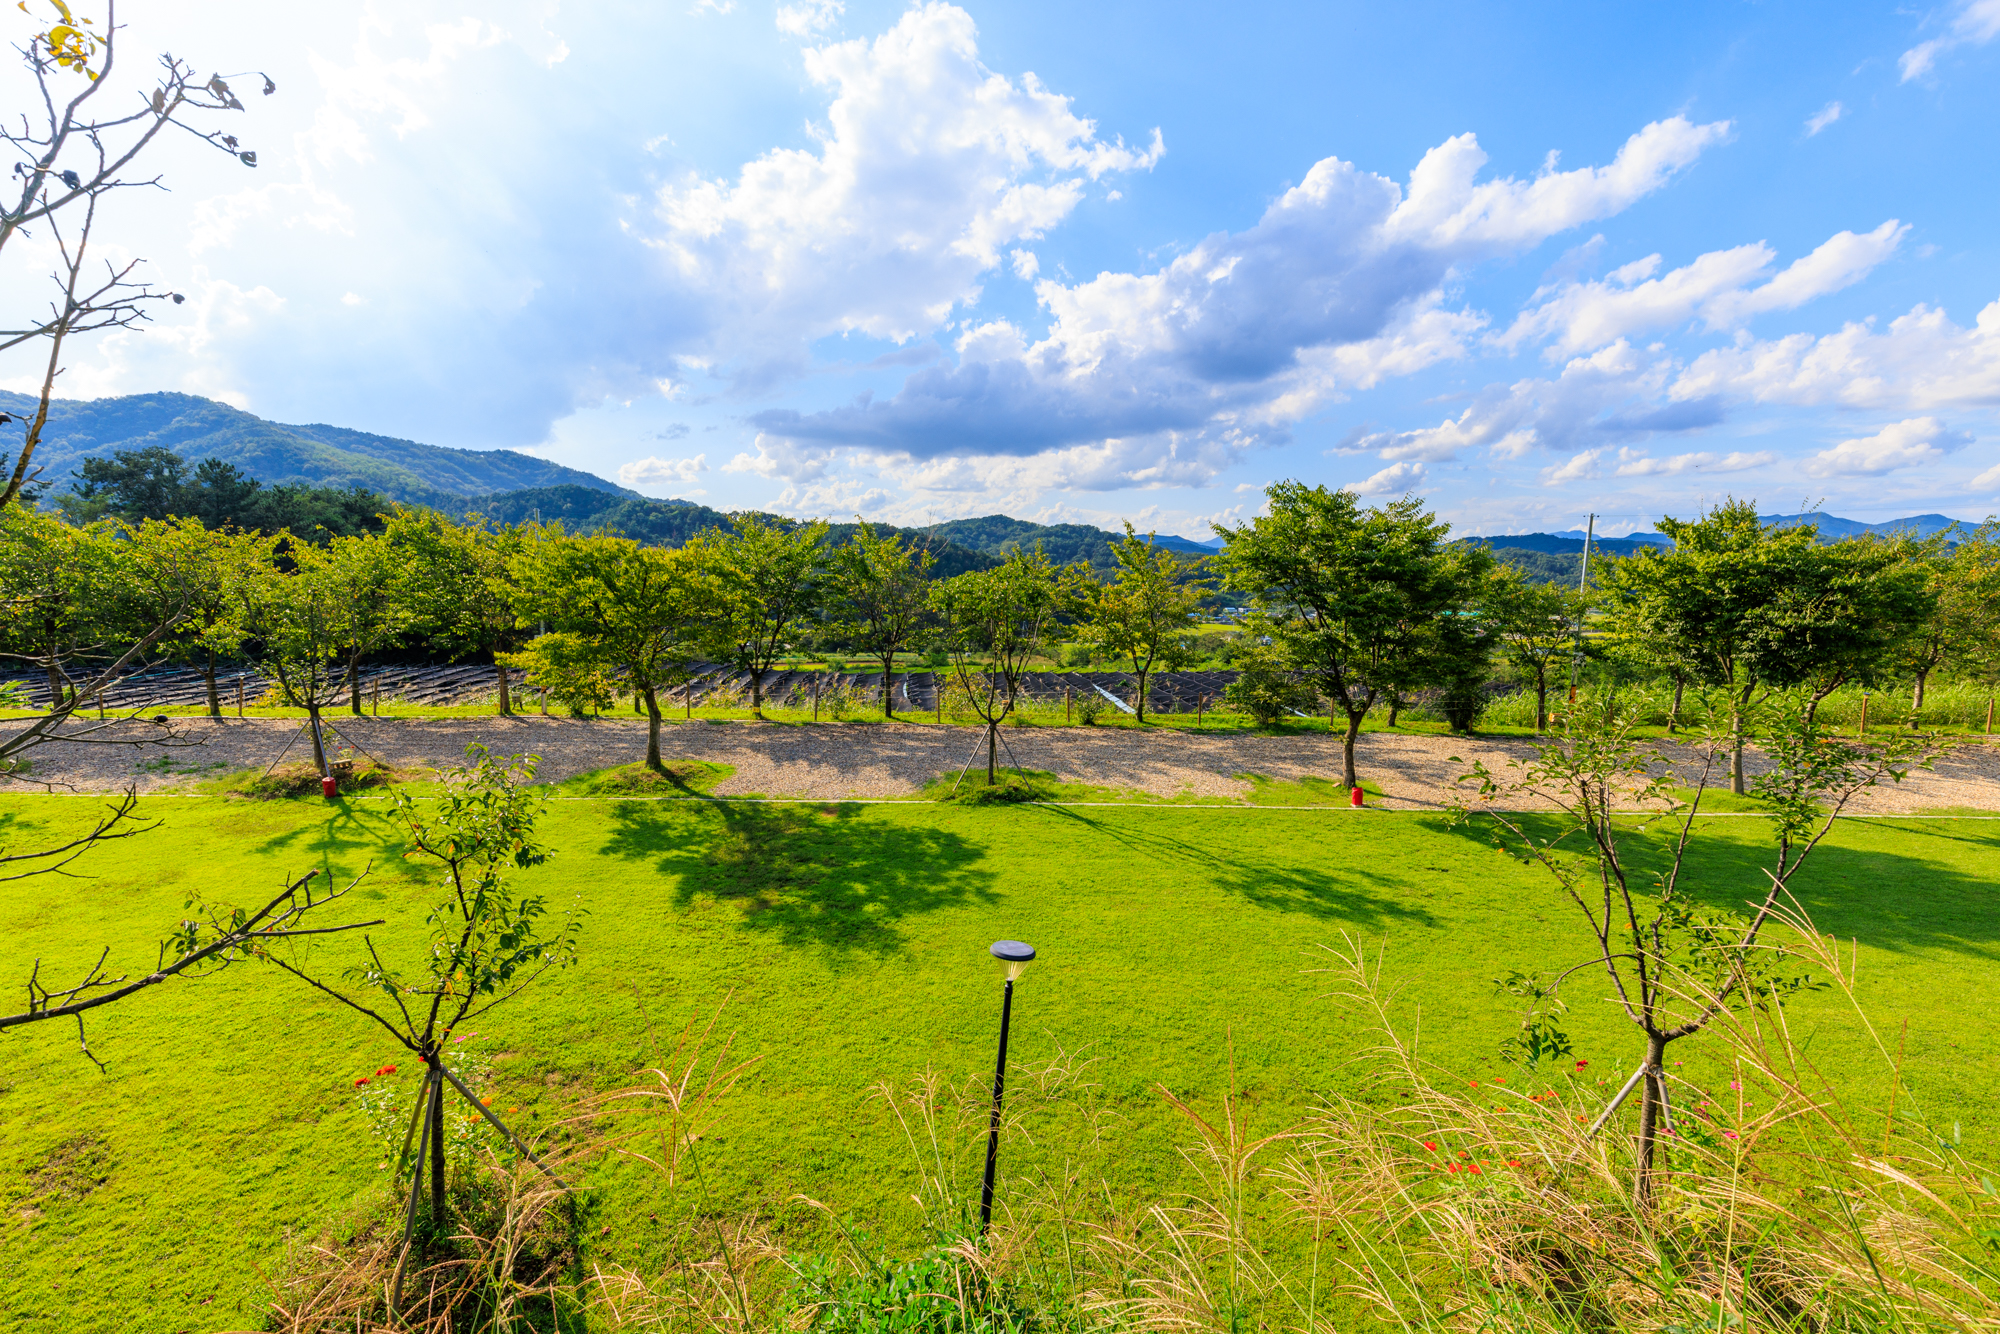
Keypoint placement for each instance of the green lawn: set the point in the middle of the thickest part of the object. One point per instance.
(849, 944)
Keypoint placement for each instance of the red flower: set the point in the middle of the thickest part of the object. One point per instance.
(1473, 1168)
(1499, 1081)
(385, 1070)
(1431, 1144)
(1581, 1064)
(1513, 1162)
(359, 1082)
(1475, 1083)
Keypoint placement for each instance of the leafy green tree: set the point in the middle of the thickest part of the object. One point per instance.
(1147, 613)
(1752, 609)
(617, 609)
(880, 597)
(1536, 625)
(458, 584)
(1353, 597)
(366, 566)
(992, 623)
(305, 622)
(775, 577)
(59, 585)
(210, 576)
(1266, 687)
(1962, 628)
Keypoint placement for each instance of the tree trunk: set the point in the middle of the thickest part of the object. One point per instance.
(1347, 747)
(1651, 1091)
(208, 678)
(506, 700)
(653, 732)
(437, 1147)
(1736, 742)
(1917, 697)
(1139, 698)
(319, 747)
(1395, 707)
(1541, 699)
(1674, 714)
(757, 691)
(354, 682)
(888, 687)
(992, 751)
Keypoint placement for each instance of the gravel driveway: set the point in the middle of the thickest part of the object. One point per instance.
(860, 760)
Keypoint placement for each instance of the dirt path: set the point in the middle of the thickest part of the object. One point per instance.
(855, 760)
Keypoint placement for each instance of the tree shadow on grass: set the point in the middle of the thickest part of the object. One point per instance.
(1918, 897)
(1352, 893)
(814, 876)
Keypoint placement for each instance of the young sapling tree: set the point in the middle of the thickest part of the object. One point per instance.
(486, 941)
(1673, 965)
(1146, 614)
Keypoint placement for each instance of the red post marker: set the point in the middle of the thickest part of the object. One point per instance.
(327, 786)
(1354, 798)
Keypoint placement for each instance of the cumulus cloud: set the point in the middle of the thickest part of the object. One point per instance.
(1338, 285)
(1922, 362)
(1716, 288)
(928, 166)
(1975, 23)
(1824, 117)
(652, 471)
(1394, 480)
(1615, 394)
(1986, 481)
(1634, 463)
(810, 18)
(1904, 444)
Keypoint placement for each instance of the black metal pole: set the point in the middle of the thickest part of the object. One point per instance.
(993, 1130)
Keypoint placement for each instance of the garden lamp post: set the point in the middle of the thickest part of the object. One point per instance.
(1015, 955)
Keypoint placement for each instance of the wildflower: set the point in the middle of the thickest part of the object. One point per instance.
(1736, 1084)
(486, 1102)
(1499, 1081)
(1581, 1064)
(1431, 1144)
(1475, 1083)
(1513, 1162)
(359, 1082)
(1473, 1168)
(385, 1070)
(1729, 1134)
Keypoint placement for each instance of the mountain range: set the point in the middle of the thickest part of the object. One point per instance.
(273, 452)
(509, 487)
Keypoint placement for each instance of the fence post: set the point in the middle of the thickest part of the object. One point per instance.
(937, 690)
(239, 696)
(815, 699)
(1989, 715)
(375, 698)
(1069, 704)
(1200, 707)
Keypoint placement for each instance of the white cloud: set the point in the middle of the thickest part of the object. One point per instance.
(1986, 481)
(928, 166)
(1824, 117)
(809, 18)
(1026, 265)
(1615, 394)
(1903, 444)
(1922, 363)
(1396, 479)
(1716, 288)
(1633, 463)
(1581, 467)
(1976, 23)
(1337, 287)
(652, 471)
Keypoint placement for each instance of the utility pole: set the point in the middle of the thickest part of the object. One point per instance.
(1583, 586)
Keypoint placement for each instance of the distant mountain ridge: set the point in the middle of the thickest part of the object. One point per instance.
(317, 455)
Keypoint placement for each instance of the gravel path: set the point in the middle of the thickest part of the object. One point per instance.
(855, 760)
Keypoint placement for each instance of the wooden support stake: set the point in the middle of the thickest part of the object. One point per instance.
(375, 698)
(1069, 704)
(239, 697)
(937, 688)
(1863, 729)
(1989, 715)
(815, 699)
(1200, 707)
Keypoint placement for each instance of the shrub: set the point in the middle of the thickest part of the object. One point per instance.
(1089, 708)
(1266, 690)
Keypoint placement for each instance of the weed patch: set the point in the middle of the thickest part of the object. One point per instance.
(680, 778)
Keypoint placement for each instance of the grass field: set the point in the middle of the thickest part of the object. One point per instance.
(848, 942)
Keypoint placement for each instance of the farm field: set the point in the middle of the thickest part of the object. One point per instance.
(844, 946)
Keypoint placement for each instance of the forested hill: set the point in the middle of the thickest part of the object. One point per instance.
(958, 544)
(275, 453)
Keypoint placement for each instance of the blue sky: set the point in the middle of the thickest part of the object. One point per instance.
(1110, 261)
